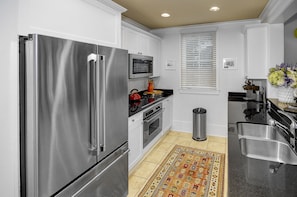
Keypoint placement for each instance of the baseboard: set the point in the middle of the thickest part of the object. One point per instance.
(211, 129)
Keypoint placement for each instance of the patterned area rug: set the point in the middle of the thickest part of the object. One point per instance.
(187, 172)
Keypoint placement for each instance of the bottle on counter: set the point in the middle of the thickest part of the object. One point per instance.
(150, 87)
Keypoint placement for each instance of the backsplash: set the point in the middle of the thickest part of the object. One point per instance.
(140, 83)
(261, 83)
(261, 93)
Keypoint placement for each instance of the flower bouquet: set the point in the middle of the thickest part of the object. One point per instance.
(284, 76)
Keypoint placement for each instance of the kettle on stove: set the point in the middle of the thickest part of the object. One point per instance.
(134, 96)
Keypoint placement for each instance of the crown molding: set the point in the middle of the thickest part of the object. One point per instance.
(138, 29)
(107, 4)
(127, 21)
(274, 11)
(192, 28)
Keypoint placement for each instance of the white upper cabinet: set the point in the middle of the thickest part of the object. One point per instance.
(135, 42)
(256, 37)
(264, 45)
(138, 41)
(155, 51)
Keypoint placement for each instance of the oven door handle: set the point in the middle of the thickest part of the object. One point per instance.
(149, 120)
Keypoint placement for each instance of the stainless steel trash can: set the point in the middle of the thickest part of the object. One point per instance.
(199, 124)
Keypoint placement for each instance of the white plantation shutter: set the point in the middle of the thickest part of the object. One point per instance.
(198, 69)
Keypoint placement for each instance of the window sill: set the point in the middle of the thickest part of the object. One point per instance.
(199, 91)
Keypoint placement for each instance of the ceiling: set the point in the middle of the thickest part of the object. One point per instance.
(189, 12)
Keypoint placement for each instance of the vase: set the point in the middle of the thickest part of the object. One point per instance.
(286, 95)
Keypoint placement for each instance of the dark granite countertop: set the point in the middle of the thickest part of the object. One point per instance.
(252, 177)
(292, 107)
(147, 100)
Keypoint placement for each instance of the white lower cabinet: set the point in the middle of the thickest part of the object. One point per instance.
(135, 139)
(135, 133)
(167, 114)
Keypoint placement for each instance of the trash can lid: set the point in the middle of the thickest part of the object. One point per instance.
(199, 110)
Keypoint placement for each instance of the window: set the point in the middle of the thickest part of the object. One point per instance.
(198, 69)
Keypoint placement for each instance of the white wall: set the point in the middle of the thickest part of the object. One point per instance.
(9, 165)
(139, 84)
(290, 40)
(142, 83)
(230, 45)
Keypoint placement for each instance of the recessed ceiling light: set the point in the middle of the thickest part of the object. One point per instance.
(214, 9)
(165, 14)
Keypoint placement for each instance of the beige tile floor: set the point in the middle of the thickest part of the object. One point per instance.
(150, 162)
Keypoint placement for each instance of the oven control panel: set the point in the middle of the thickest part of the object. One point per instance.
(152, 110)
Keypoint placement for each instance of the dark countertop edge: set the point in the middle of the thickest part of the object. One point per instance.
(240, 96)
(236, 94)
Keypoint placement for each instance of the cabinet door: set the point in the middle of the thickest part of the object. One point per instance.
(135, 139)
(256, 51)
(135, 42)
(155, 51)
(130, 40)
(138, 42)
(167, 114)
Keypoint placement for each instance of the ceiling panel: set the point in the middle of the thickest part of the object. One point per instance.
(189, 12)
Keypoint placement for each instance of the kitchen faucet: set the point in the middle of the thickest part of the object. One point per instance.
(284, 129)
(293, 127)
(268, 106)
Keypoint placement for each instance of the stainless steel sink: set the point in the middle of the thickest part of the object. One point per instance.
(265, 142)
(258, 131)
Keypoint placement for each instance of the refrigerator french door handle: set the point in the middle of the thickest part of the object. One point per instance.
(102, 84)
(92, 88)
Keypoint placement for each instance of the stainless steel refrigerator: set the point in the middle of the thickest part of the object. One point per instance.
(74, 118)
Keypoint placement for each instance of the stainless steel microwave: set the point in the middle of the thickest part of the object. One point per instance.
(140, 66)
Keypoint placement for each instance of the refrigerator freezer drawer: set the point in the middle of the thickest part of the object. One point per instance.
(109, 178)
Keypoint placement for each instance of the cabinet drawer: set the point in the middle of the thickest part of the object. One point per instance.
(135, 120)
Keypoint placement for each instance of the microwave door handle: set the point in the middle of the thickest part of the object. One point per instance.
(93, 113)
(101, 107)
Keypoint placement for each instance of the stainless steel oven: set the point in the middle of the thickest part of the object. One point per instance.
(152, 123)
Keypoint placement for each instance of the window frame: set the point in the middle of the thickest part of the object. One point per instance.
(200, 90)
